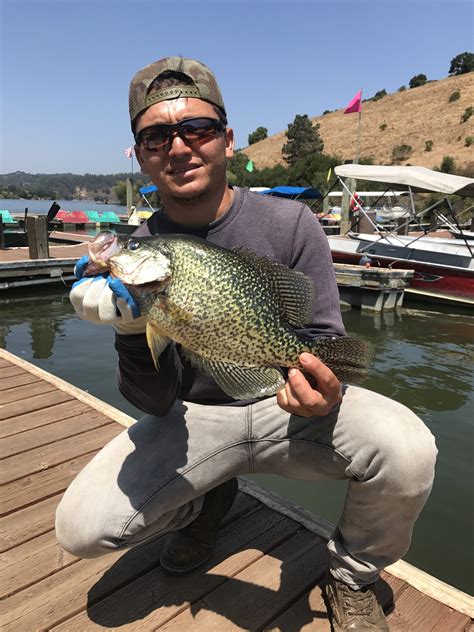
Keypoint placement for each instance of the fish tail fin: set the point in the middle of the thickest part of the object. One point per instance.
(348, 358)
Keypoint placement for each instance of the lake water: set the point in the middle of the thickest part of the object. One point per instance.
(423, 359)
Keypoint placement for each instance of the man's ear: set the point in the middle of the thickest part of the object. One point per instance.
(229, 142)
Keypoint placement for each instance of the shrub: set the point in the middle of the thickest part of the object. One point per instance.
(383, 127)
(428, 145)
(454, 96)
(469, 140)
(448, 165)
(327, 112)
(417, 80)
(468, 112)
(402, 89)
(401, 152)
(379, 95)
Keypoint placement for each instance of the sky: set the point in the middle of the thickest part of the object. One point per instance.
(65, 65)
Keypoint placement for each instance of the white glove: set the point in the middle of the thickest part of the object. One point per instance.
(104, 300)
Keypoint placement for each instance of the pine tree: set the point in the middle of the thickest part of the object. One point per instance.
(303, 140)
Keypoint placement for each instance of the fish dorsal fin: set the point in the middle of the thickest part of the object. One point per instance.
(237, 381)
(295, 290)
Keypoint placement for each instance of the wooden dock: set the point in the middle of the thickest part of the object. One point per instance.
(374, 289)
(18, 270)
(265, 575)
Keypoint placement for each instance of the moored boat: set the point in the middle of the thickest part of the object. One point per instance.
(444, 268)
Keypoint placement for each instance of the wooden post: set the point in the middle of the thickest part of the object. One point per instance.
(37, 231)
(346, 214)
(2, 236)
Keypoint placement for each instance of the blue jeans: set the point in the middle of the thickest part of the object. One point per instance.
(152, 478)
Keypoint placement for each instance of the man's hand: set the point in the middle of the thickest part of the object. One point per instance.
(299, 397)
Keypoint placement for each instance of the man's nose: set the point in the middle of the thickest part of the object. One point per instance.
(178, 145)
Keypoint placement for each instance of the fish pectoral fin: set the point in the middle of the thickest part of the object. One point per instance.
(156, 342)
(240, 382)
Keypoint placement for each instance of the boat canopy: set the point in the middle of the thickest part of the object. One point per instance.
(416, 178)
(148, 189)
(306, 193)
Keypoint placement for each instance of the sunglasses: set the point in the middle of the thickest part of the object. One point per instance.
(194, 130)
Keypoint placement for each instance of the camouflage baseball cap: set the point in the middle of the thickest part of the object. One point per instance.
(204, 85)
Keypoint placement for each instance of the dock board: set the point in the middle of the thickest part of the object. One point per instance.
(265, 574)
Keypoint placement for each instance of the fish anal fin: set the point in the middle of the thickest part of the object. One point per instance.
(240, 382)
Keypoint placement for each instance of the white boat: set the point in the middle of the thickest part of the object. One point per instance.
(444, 268)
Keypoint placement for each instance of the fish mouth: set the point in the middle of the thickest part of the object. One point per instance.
(138, 278)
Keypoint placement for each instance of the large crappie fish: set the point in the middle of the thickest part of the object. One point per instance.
(233, 313)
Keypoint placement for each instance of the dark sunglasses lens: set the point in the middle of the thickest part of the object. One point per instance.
(191, 130)
(155, 138)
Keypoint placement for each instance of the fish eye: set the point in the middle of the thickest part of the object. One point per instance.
(133, 244)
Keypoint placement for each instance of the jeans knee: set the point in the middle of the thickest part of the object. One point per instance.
(409, 462)
(78, 534)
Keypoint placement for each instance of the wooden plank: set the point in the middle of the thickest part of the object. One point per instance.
(10, 371)
(37, 437)
(28, 421)
(30, 489)
(106, 409)
(14, 409)
(17, 380)
(433, 587)
(31, 562)
(18, 466)
(23, 393)
(415, 611)
(4, 363)
(155, 597)
(28, 523)
(251, 598)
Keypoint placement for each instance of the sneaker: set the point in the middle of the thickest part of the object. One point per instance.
(193, 545)
(353, 610)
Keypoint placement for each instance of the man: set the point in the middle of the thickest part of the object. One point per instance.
(174, 470)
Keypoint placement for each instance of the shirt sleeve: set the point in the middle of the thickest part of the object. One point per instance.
(151, 391)
(311, 255)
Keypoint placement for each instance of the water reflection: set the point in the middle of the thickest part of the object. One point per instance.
(41, 314)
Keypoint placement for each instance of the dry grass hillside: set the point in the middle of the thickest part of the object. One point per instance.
(412, 117)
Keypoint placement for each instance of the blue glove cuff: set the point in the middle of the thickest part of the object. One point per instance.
(119, 289)
(80, 267)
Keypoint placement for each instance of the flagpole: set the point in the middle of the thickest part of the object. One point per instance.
(357, 156)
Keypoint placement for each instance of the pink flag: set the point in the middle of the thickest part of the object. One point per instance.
(355, 105)
(129, 152)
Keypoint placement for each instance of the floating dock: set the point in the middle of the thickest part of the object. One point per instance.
(265, 575)
(374, 289)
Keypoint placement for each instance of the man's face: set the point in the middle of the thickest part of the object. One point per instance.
(184, 171)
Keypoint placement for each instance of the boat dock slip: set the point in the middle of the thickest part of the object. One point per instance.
(372, 288)
(265, 574)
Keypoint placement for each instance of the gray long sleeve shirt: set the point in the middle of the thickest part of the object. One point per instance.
(283, 230)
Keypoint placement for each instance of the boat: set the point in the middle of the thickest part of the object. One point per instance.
(444, 267)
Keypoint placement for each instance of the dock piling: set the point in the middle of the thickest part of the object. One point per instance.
(37, 230)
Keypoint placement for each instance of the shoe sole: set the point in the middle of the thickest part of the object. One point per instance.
(182, 571)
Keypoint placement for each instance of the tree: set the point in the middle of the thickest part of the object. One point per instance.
(303, 140)
(417, 80)
(259, 134)
(464, 62)
(379, 95)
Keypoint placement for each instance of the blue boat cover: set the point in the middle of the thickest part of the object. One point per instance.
(307, 193)
(148, 189)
